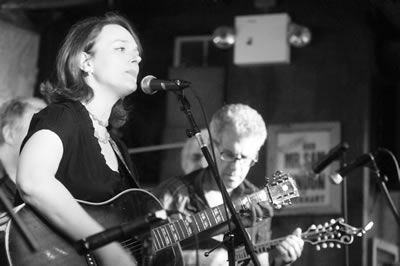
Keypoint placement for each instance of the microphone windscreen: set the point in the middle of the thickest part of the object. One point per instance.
(145, 84)
(336, 178)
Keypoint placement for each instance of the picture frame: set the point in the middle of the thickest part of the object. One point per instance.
(294, 149)
(383, 253)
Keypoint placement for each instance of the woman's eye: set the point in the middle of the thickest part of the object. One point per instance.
(122, 49)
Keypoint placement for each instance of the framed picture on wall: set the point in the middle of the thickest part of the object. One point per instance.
(294, 149)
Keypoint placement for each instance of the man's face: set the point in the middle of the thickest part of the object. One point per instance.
(235, 156)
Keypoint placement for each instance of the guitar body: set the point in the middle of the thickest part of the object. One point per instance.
(55, 249)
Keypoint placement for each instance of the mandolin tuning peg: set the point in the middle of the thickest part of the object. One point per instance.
(338, 246)
(317, 247)
(324, 245)
(331, 245)
(359, 234)
(332, 221)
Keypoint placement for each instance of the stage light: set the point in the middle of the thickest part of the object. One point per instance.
(223, 37)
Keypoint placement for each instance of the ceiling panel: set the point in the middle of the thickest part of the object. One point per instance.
(43, 4)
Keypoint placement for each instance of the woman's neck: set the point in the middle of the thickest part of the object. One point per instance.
(99, 108)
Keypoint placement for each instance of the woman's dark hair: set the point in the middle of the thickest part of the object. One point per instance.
(69, 83)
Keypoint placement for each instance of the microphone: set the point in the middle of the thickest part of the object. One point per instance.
(136, 227)
(151, 84)
(332, 155)
(364, 159)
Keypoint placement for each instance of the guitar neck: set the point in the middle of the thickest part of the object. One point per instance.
(176, 231)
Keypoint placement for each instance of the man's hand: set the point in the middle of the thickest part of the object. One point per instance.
(258, 212)
(289, 250)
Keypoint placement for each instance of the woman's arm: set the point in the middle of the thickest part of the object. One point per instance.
(40, 189)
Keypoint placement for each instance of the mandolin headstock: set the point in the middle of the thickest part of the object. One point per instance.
(333, 234)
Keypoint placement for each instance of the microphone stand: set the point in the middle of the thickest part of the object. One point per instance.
(345, 215)
(194, 131)
(381, 182)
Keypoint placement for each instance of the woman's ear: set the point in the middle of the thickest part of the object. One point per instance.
(85, 64)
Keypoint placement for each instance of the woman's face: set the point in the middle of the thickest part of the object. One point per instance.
(114, 61)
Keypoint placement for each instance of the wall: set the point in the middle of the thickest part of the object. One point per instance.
(19, 48)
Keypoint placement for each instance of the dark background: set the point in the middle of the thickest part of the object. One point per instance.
(348, 73)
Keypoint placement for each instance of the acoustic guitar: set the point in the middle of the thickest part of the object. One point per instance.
(124, 208)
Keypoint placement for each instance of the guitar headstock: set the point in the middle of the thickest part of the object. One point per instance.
(333, 234)
(281, 188)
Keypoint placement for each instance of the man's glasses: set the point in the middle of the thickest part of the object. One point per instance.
(228, 156)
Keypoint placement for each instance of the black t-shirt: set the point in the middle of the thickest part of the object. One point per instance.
(82, 169)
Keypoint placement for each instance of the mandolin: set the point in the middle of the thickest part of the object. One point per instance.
(333, 234)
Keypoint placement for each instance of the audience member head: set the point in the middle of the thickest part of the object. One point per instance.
(15, 118)
(191, 155)
(238, 133)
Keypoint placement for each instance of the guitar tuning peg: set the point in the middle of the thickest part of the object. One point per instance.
(359, 234)
(277, 173)
(338, 246)
(324, 245)
(331, 245)
(332, 221)
(326, 224)
(317, 247)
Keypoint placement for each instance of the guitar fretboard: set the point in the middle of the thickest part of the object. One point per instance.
(171, 233)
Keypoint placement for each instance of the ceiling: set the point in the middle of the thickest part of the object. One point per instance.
(44, 4)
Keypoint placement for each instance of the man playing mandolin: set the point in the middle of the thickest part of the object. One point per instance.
(238, 132)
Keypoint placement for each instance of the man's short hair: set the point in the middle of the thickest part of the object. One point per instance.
(241, 118)
(12, 110)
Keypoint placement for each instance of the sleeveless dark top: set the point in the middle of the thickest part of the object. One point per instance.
(82, 169)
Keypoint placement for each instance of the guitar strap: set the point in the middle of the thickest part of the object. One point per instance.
(119, 154)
